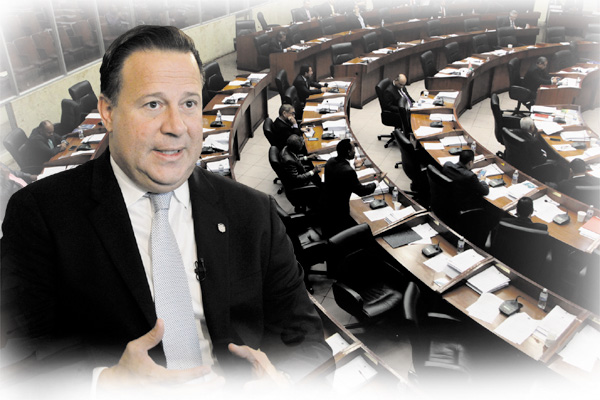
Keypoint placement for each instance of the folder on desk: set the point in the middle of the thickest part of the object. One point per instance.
(465, 260)
(488, 281)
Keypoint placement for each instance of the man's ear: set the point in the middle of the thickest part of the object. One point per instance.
(105, 109)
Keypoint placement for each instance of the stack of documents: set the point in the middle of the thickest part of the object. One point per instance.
(338, 84)
(256, 77)
(517, 328)
(337, 343)
(490, 170)
(218, 141)
(575, 136)
(96, 138)
(399, 215)
(549, 127)
(568, 82)
(381, 188)
(221, 166)
(442, 117)
(546, 209)
(351, 376)
(591, 229)
(489, 280)
(583, 351)
(465, 260)
(450, 141)
(427, 131)
(521, 189)
(554, 324)
(234, 98)
(543, 109)
(486, 308)
(338, 125)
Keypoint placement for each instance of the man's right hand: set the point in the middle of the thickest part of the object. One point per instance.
(137, 369)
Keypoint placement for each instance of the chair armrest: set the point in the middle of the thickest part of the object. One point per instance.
(520, 93)
(347, 298)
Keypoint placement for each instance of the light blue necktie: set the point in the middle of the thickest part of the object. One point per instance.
(172, 297)
(50, 143)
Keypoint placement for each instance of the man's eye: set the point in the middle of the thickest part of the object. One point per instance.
(152, 105)
(190, 104)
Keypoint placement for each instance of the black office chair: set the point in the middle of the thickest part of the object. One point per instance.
(298, 15)
(526, 250)
(506, 35)
(517, 90)
(480, 44)
(243, 27)
(441, 196)
(561, 59)
(472, 25)
(70, 117)
(291, 97)
(555, 34)
(14, 142)
(213, 78)
(364, 277)
(261, 42)
(501, 119)
(452, 51)
(370, 42)
(428, 64)
(84, 94)
(263, 22)
(328, 26)
(310, 247)
(414, 168)
(592, 33)
(440, 344)
(387, 37)
(270, 135)
(294, 34)
(587, 194)
(300, 197)
(388, 118)
(282, 83)
(340, 53)
(434, 27)
(518, 155)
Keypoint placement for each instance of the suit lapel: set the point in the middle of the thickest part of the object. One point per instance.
(113, 227)
(211, 227)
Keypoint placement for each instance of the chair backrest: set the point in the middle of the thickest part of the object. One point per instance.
(481, 44)
(13, 143)
(244, 27)
(268, 131)
(410, 159)
(497, 113)
(561, 59)
(506, 36)
(414, 309)
(555, 34)
(213, 77)
(70, 117)
(387, 37)
(434, 27)
(298, 14)
(388, 118)
(345, 248)
(328, 26)
(80, 89)
(516, 152)
(428, 63)
(472, 25)
(261, 19)
(282, 83)
(380, 88)
(442, 199)
(452, 51)
(587, 195)
(523, 249)
(514, 72)
(369, 41)
(290, 96)
(275, 162)
(262, 42)
(341, 52)
(294, 34)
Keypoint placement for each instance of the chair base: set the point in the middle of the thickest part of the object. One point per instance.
(390, 141)
(397, 164)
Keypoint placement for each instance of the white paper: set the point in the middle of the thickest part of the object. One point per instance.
(497, 192)
(438, 263)
(486, 308)
(366, 172)
(95, 138)
(517, 328)
(452, 159)
(352, 375)
(489, 280)
(583, 351)
(337, 343)
(433, 146)
(427, 131)
(450, 141)
(380, 213)
(546, 209)
(555, 323)
(465, 260)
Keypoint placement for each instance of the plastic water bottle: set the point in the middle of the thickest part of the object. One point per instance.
(474, 146)
(589, 214)
(515, 177)
(395, 194)
(543, 299)
(80, 133)
(460, 247)
(219, 117)
(382, 22)
(221, 169)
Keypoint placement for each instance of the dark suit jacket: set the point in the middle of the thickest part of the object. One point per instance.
(534, 77)
(70, 256)
(275, 46)
(303, 87)
(568, 185)
(506, 22)
(468, 191)
(341, 181)
(296, 173)
(282, 130)
(532, 147)
(391, 98)
(352, 22)
(299, 14)
(37, 151)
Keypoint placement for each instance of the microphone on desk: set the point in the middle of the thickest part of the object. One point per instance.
(200, 270)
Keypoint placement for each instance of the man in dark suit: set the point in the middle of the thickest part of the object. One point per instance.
(285, 125)
(537, 75)
(43, 144)
(305, 13)
(327, 9)
(468, 190)
(297, 172)
(532, 145)
(278, 43)
(356, 20)
(341, 181)
(394, 92)
(77, 252)
(511, 20)
(524, 212)
(304, 82)
(578, 178)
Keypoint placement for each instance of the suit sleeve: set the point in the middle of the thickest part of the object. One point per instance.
(357, 187)
(480, 186)
(292, 170)
(390, 103)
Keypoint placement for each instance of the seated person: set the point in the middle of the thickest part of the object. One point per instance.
(341, 181)
(305, 13)
(278, 43)
(578, 178)
(43, 144)
(393, 93)
(285, 125)
(303, 84)
(532, 145)
(356, 20)
(297, 174)
(537, 75)
(512, 21)
(327, 9)
(524, 211)
(468, 189)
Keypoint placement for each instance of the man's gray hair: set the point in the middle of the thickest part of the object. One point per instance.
(527, 124)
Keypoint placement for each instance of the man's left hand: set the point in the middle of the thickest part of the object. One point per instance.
(266, 374)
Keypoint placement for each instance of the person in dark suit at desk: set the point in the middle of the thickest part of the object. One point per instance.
(523, 217)
(285, 125)
(305, 13)
(533, 146)
(278, 43)
(356, 20)
(158, 262)
(327, 9)
(394, 92)
(512, 20)
(341, 181)
(297, 172)
(537, 75)
(578, 178)
(303, 84)
(467, 188)
(43, 144)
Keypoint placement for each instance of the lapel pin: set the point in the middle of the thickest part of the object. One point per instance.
(221, 227)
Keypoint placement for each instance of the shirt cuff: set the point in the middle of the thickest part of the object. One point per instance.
(95, 376)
